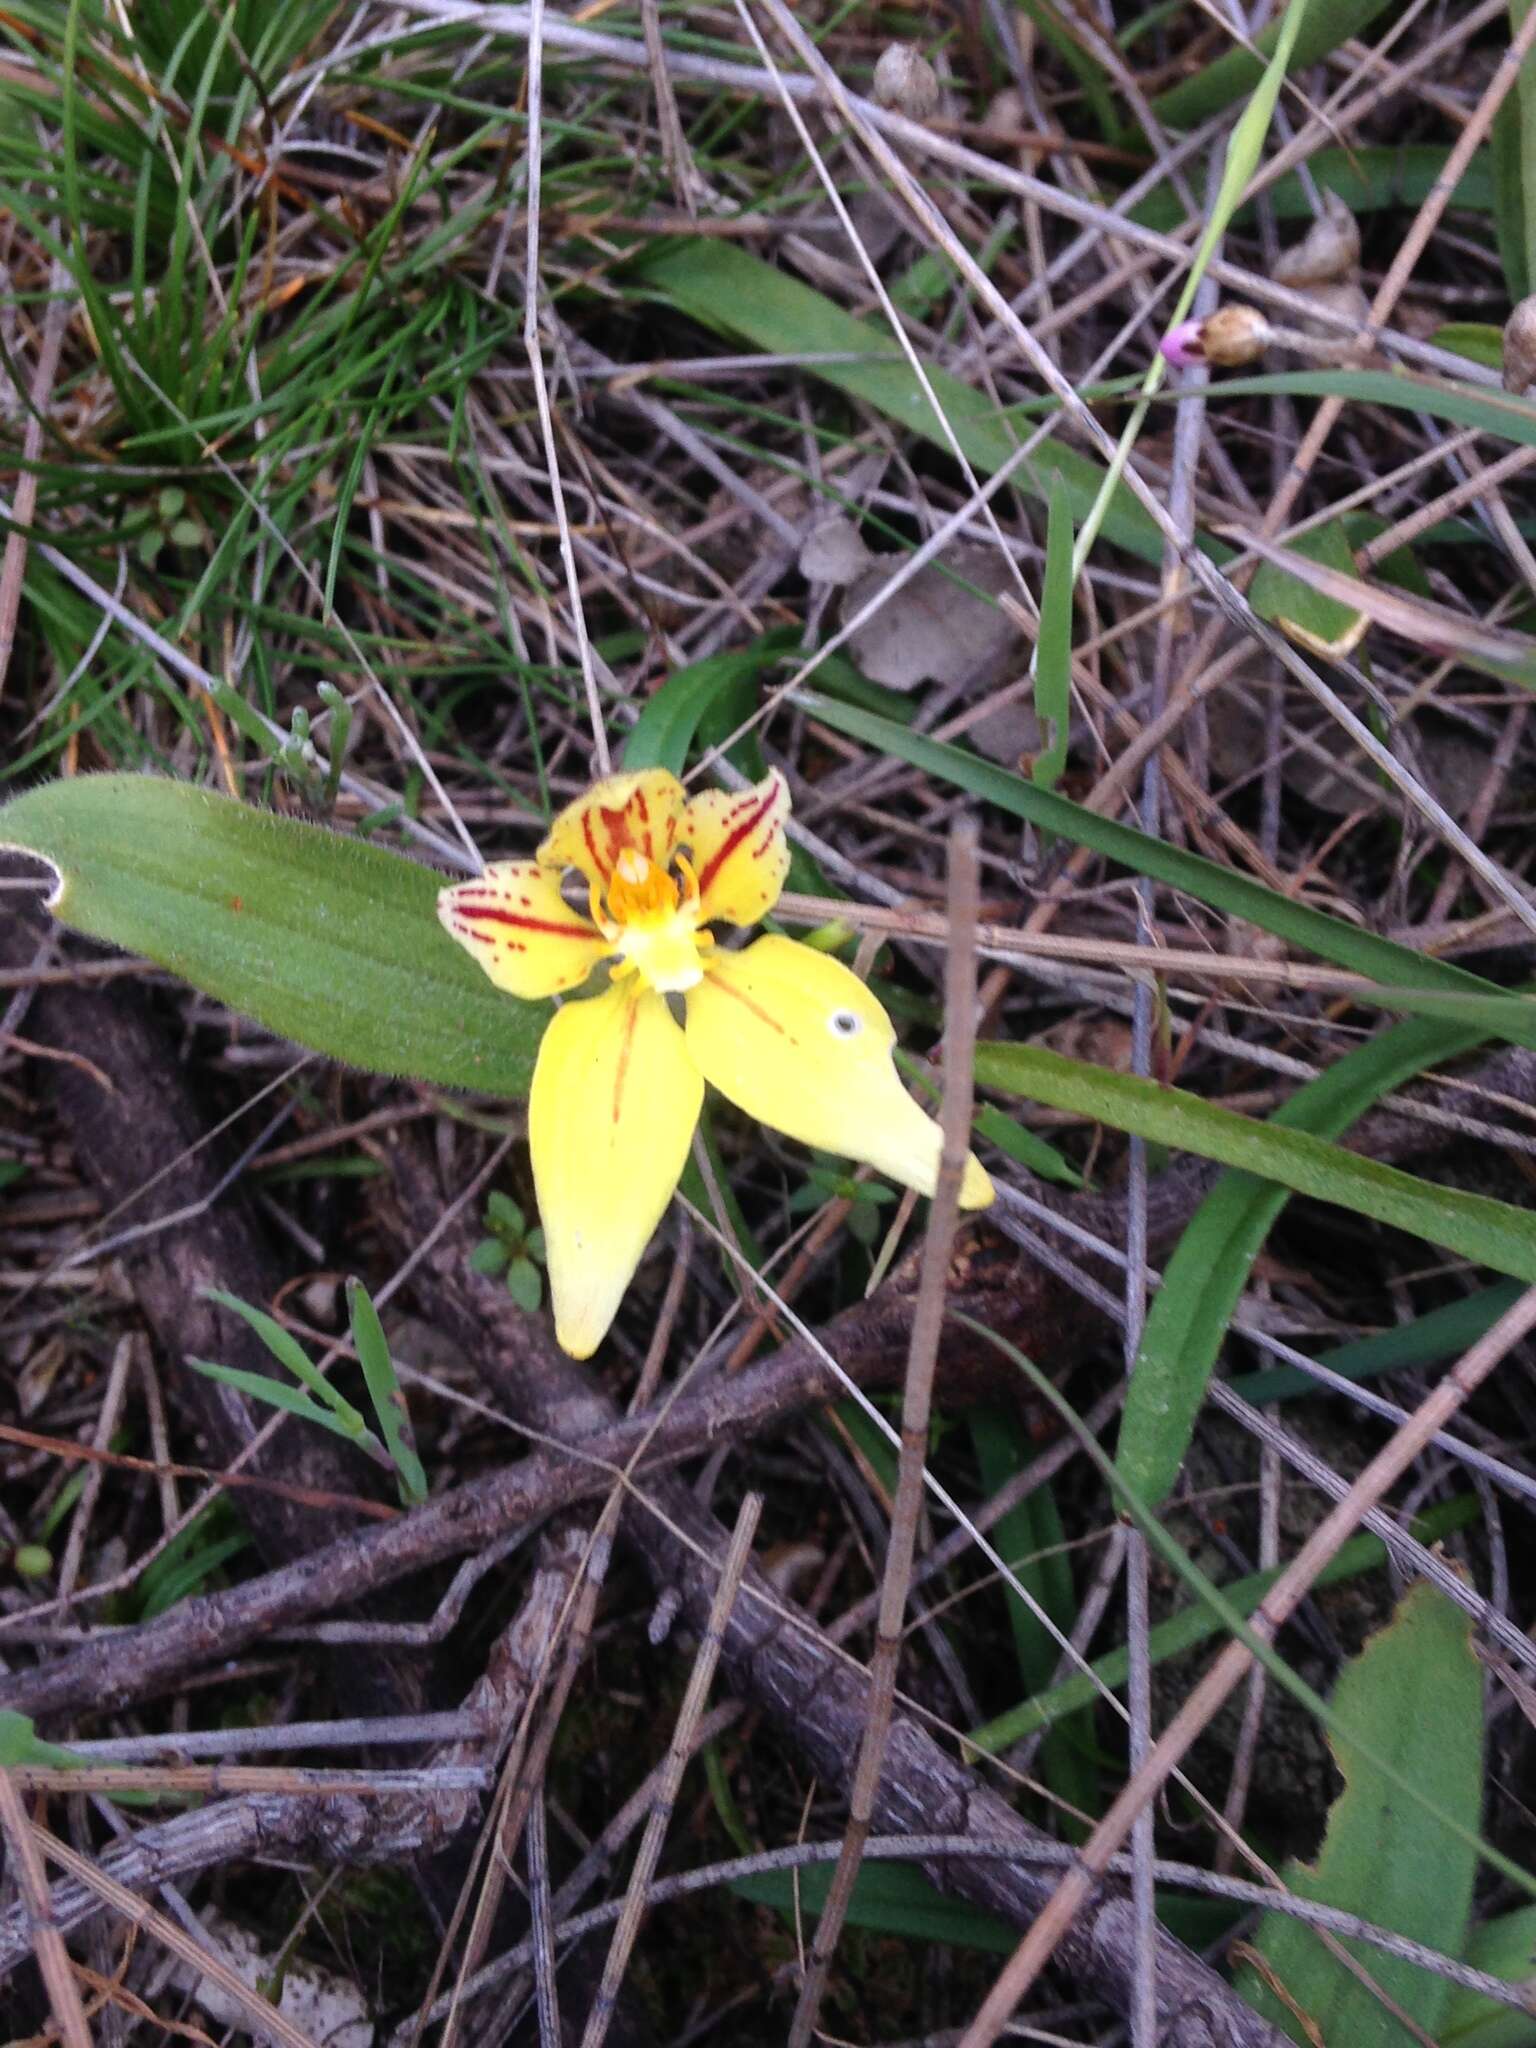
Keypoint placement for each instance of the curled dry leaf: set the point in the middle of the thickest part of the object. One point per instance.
(325, 2006)
(1329, 252)
(944, 626)
(833, 552)
(1005, 115)
(1325, 267)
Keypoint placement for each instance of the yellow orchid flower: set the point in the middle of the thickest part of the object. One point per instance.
(786, 1033)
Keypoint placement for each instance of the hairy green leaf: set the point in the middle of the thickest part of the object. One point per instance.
(325, 940)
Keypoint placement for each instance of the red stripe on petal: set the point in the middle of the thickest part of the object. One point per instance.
(476, 914)
(631, 1018)
(722, 987)
(738, 832)
(597, 859)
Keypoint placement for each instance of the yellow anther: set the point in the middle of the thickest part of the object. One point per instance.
(640, 893)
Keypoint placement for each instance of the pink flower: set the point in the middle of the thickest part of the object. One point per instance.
(1184, 345)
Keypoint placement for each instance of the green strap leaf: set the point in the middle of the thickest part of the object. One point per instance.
(1205, 1278)
(1053, 650)
(665, 729)
(323, 939)
(257, 1386)
(1408, 981)
(729, 289)
(1488, 1232)
(1196, 1624)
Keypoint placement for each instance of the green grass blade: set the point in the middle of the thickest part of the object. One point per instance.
(1369, 178)
(1205, 1277)
(1053, 651)
(286, 1349)
(1407, 981)
(1219, 85)
(1481, 406)
(1524, 108)
(1245, 147)
(1428, 1340)
(1507, 146)
(385, 1391)
(1194, 1625)
(1025, 1146)
(1032, 1539)
(1214, 1597)
(1485, 1231)
(278, 1394)
(189, 1573)
(892, 1899)
(323, 939)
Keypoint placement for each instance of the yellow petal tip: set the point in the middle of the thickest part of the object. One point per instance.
(578, 1343)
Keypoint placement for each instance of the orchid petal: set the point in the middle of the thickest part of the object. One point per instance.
(796, 1040)
(613, 1106)
(514, 922)
(639, 810)
(739, 851)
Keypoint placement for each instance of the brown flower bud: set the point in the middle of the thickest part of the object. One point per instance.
(1234, 335)
(906, 81)
(1520, 348)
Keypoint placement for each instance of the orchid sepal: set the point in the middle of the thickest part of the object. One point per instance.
(513, 920)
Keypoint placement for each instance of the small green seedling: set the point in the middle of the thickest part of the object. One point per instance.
(299, 759)
(512, 1252)
(23, 1749)
(316, 1400)
(827, 1184)
(171, 525)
